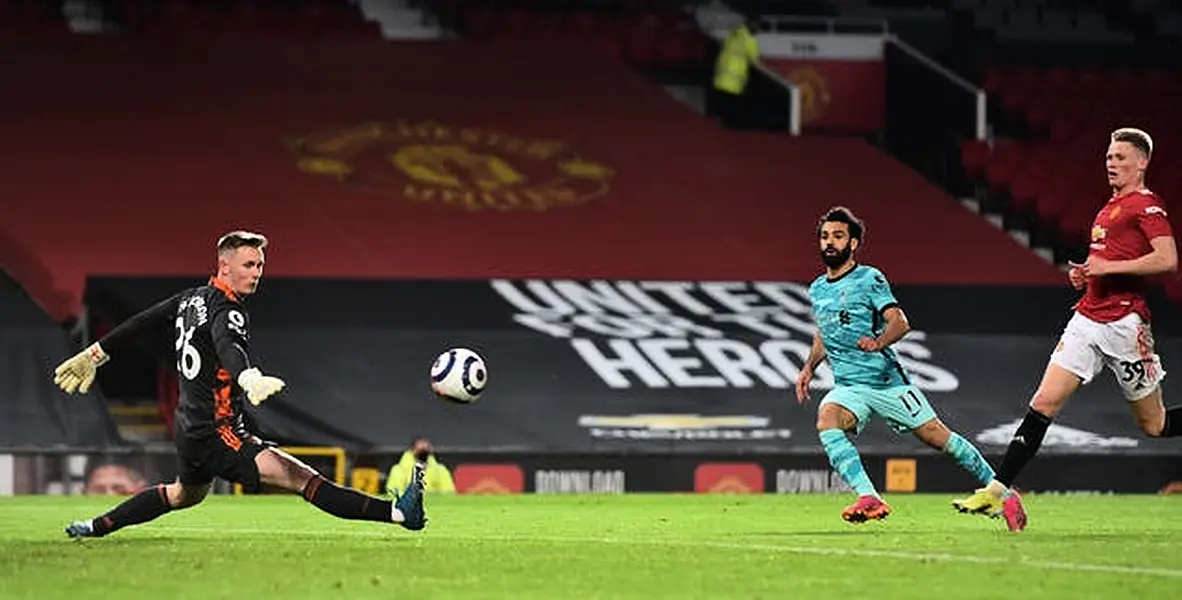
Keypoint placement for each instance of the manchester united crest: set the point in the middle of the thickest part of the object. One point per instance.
(468, 168)
(814, 93)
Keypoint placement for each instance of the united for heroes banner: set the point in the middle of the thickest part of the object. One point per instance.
(638, 366)
(742, 344)
(682, 335)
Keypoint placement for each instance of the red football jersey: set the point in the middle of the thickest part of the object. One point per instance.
(1122, 231)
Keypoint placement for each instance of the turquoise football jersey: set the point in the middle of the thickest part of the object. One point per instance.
(848, 309)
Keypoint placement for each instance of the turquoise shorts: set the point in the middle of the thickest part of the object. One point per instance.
(904, 407)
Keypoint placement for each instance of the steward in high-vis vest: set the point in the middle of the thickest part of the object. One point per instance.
(437, 478)
(739, 51)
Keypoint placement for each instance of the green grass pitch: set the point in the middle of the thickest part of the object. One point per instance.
(632, 546)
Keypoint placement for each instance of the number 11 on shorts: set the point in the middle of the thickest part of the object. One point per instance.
(911, 403)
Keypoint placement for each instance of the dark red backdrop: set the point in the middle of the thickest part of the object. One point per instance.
(129, 159)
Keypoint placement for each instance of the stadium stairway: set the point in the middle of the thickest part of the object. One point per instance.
(402, 20)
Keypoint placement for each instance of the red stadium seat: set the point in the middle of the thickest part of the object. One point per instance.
(1053, 202)
(1043, 108)
(993, 80)
(1159, 83)
(974, 155)
(1123, 79)
(478, 23)
(1020, 86)
(1076, 224)
(1057, 81)
(641, 47)
(1003, 162)
(1089, 81)
(1060, 179)
(1025, 191)
(583, 24)
(1063, 126)
(640, 37)
(608, 45)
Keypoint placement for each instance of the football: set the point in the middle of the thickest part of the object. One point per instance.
(459, 375)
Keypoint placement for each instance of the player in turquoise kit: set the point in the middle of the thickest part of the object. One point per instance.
(858, 319)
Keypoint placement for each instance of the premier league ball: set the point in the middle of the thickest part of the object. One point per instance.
(459, 375)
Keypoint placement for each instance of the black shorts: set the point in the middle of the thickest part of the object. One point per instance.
(223, 454)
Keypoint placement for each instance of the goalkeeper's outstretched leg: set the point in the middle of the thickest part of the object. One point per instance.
(250, 462)
(149, 504)
(279, 469)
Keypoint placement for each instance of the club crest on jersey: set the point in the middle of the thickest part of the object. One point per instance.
(1099, 233)
(469, 168)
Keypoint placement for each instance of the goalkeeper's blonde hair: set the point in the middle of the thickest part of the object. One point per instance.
(241, 239)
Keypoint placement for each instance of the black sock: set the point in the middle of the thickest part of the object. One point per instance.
(346, 503)
(1173, 426)
(1024, 446)
(140, 508)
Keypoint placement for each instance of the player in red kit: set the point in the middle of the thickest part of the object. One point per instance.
(1131, 241)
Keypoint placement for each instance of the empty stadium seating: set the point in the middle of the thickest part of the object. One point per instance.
(241, 18)
(1044, 21)
(659, 34)
(1057, 175)
(199, 129)
(31, 17)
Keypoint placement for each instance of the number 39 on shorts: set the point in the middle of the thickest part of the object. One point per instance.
(1132, 370)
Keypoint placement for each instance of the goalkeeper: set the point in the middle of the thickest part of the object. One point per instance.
(210, 325)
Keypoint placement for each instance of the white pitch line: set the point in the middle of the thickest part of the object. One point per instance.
(773, 548)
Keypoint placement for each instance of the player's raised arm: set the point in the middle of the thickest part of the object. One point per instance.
(77, 373)
(232, 343)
